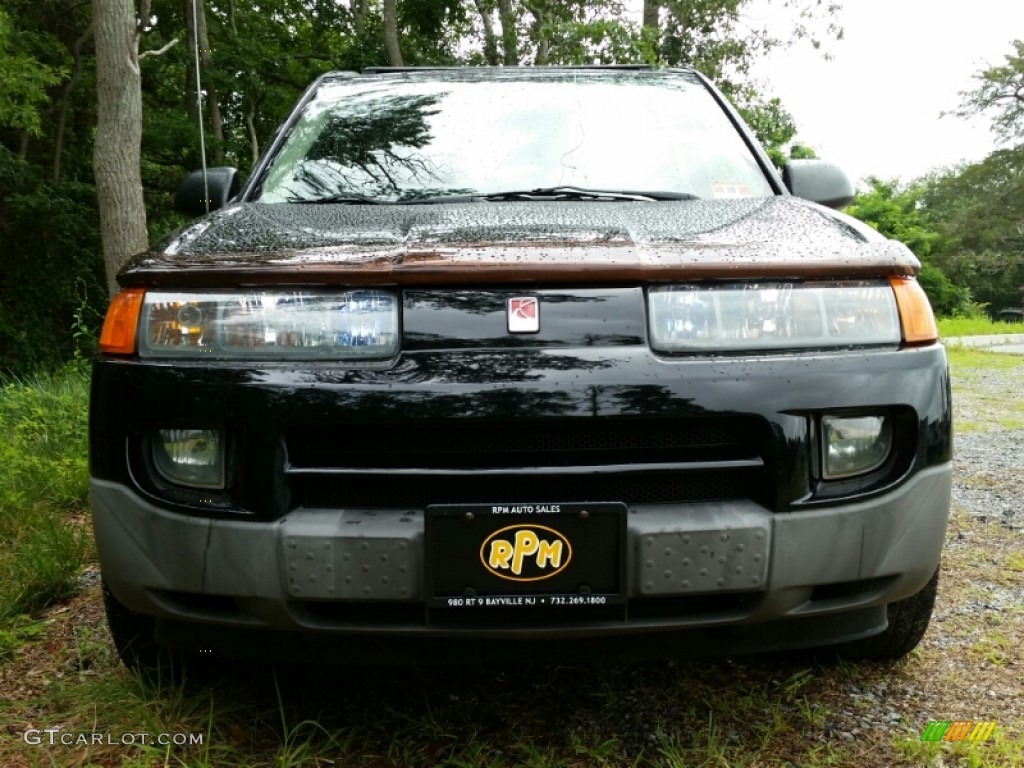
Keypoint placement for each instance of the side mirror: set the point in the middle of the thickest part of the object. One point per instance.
(222, 184)
(819, 182)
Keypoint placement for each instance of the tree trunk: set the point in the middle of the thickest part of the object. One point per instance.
(490, 41)
(509, 35)
(231, 19)
(391, 34)
(538, 9)
(117, 147)
(651, 9)
(212, 98)
(254, 143)
(191, 101)
(542, 49)
(65, 99)
(359, 10)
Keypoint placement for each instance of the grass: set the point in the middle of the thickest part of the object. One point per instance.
(971, 361)
(992, 408)
(43, 484)
(975, 326)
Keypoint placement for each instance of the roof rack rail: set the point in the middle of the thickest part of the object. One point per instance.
(391, 70)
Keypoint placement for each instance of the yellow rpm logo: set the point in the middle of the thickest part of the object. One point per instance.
(525, 552)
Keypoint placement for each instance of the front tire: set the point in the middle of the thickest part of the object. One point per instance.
(908, 620)
(132, 633)
(135, 641)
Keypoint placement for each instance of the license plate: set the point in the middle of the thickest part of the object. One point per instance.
(508, 555)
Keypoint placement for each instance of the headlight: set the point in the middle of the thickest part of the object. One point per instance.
(854, 445)
(752, 316)
(270, 325)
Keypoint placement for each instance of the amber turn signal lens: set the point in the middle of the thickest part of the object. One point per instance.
(916, 316)
(121, 322)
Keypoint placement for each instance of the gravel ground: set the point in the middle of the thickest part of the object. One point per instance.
(988, 479)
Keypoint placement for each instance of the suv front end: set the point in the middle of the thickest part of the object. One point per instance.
(561, 421)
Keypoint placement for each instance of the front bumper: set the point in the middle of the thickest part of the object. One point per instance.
(320, 536)
(804, 578)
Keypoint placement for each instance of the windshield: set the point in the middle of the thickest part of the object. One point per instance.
(388, 139)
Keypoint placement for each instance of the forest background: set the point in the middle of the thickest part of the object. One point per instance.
(966, 224)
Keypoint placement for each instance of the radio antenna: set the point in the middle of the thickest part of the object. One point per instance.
(199, 107)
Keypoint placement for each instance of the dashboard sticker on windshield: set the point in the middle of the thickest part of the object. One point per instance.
(725, 191)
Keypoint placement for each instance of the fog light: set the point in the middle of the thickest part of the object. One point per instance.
(193, 457)
(854, 445)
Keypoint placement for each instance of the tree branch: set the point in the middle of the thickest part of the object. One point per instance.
(158, 51)
(282, 79)
(303, 56)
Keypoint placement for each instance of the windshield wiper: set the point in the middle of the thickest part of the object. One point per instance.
(580, 193)
(341, 199)
(541, 193)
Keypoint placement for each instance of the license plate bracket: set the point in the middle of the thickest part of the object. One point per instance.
(523, 555)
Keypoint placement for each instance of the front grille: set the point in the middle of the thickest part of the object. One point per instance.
(419, 492)
(479, 445)
(599, 444)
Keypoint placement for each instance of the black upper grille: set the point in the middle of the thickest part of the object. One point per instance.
(479, 445)
(600, 443)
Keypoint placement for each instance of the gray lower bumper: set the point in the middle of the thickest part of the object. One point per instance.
(732, 548)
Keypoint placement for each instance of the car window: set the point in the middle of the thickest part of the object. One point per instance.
(398, 140)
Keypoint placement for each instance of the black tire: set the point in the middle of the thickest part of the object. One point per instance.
(908, 620)
(133, 635)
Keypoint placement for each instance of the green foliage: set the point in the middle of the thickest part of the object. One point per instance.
(50, 255)
(774, 128)
(980, 207)
(50, 265)
(714, 37)
(1000, 93)
(895, 212)
(981, 204)
(978, 210)
(947, 300)
(43, 448)
(596, 40)
(898, 212)
(23, 77)
(43, 439)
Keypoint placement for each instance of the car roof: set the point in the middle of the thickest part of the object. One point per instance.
(385, 70)
(495, 73)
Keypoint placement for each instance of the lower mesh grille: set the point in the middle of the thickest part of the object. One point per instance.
(420, 492)
(358, 613)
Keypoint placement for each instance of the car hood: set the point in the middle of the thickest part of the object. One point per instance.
(520, 242)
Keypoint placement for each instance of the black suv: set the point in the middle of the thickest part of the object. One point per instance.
(533, 362)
